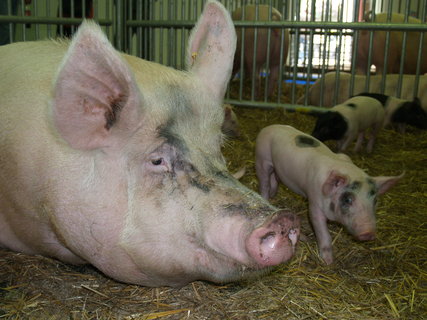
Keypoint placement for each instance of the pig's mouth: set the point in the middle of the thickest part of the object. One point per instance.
(274, 242)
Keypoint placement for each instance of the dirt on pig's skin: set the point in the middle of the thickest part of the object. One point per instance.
(383, 279)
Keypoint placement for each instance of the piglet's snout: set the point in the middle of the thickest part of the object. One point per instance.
(274, 242)
(366, 236)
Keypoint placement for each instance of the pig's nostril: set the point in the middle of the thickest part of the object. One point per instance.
(269, 240)
(367, 236)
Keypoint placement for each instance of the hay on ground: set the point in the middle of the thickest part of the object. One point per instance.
(382, 279)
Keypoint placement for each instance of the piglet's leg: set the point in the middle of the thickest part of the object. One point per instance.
(324, 240)
(343, 143)
(359, 141)
(374, 133)
(265, 174)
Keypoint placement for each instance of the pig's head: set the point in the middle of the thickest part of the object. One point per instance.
(330, 125)
(352, 201)
(151, 138)
(411, 113)
(230, 126)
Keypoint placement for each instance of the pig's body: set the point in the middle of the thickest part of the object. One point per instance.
(408, 81)
(349, 120)
(111, 160)
(395, 49)
(262, 45)
(336, 189)
(400, 112)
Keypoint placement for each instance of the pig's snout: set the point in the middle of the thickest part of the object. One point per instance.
(274, 242)
(366, 236)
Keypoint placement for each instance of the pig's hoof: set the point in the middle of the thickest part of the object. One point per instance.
(326, 254)
(274, 243)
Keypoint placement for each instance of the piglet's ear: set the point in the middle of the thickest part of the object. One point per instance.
(386, 183)
(334, 182)
(211, 48)
(96, 101)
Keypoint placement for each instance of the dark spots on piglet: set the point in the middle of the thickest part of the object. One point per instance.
(355, 185)
(304, 141)
(381, 98)
(351, 105)
(332, 207)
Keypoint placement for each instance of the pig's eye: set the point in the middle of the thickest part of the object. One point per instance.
(157, 162)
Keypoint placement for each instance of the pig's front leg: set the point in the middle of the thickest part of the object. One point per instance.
(374, 133)
(267, 179)
(324, 240)
(343, 143)
(359, 141)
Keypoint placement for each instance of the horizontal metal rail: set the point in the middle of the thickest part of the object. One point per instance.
(273, 105)
(50, 20)
(288, 24)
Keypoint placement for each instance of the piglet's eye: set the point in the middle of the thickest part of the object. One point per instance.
(157, 162)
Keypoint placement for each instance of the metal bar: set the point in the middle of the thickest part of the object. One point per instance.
(119, 25)
(50, 20)
(355, 46)
(280, 24)
(272, 105)
(403, 54)
(254, 68)
(242, 56)
(386, 51)
(267, 63)
(420, 51)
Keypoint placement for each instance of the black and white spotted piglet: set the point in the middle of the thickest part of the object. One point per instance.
(351, 119)
(401, 112)
(336, 188)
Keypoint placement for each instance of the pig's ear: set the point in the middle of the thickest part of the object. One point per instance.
(211, 48)
(334, 182)
(227, 112)
(96, 101)
(386, 183)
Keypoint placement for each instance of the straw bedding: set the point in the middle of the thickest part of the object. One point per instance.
(381, 279)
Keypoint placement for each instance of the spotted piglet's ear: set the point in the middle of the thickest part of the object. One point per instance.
(334, 182)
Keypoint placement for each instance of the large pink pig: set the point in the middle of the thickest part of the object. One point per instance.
(336, 189)
(395, 49)
(262, 45)
(111, 160)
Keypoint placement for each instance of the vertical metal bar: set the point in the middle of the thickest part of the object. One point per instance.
(403, 56)
(35, 13)
(49, 26)
(267, 63)
(161, 33)
(296, 14)
(282, 61)
(338, 57)
(386, 51)
(420, 51)
(129, 30)
(355, 45)
(119, 25)
(152, 32)
(254, 75)
(183, 54)
(371, 41)
(324, 53)
(72, 8)
(310, 49)
(242, 54)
